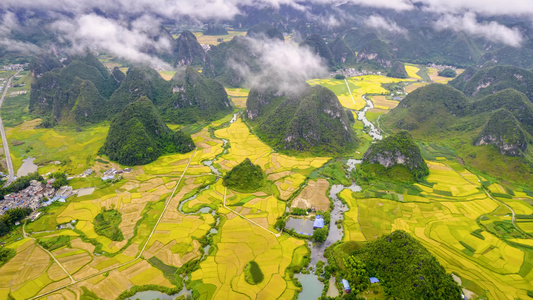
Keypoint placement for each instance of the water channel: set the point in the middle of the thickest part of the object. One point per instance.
(311, 286)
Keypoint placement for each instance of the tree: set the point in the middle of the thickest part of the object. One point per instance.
(280, 224)
(320, 234)
(340, 76)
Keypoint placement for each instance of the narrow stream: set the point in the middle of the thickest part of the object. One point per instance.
(361, 115)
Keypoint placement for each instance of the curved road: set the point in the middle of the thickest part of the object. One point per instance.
(11, 171)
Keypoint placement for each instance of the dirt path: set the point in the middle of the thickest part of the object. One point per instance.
(11, 171)
(252, 222)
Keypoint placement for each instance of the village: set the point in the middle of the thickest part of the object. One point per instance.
(40, 194)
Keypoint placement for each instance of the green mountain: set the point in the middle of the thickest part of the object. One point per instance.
(512, 100)
(43, 63)
(265, 30)
(397, 157)
(398, 71)
(448, 72)
(245, 177)
(215, 29)
(376, 52)
(318, 46)
(312, 122)
(188, 98)
(503, 131)
(139, 136)
(56, 93)
(490, 80)
(84, 105)
(342, 53)
(429, 109)
(237, 52)
(189, 52)
(407, 270)
(356, 39)
(443, 116)
(195, 98)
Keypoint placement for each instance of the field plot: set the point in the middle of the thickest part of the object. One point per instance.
(313, 196)
(213, 39)
(412, 70)
(77, 150)
(381, 102)
(240, 242)
(288, 172)
(359, 85)
(238, 96)
(434, 75)
(446, 226)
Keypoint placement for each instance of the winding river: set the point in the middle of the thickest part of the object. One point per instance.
(311, 286)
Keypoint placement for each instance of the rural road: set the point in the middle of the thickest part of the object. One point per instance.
(351, 95)
(11, 171)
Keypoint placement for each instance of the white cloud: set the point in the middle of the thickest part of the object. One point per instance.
(491, 31)
(96, 32)
(284, 67)
(381, 23)
(484, 7)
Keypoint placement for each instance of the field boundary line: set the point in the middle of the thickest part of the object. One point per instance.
(350, 91)
(145, 244)
(253, 222)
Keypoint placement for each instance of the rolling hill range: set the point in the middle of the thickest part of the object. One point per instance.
(492, 134)
(85, 92)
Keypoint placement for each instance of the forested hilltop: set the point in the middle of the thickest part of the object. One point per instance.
(84, 92)
(312, 122)
(138, 136)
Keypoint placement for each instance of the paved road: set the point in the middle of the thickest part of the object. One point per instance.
(11, 171)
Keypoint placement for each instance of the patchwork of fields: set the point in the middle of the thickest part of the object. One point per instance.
(178, 218)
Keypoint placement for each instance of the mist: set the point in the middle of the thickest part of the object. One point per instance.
(491, 31)
(284, 67)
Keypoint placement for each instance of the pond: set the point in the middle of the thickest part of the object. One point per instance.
(311, 286)
(301, 226)
(150, 295)
(27, 167)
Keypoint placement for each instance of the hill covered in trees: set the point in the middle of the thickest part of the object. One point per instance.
(494, 128)
(245, 177)
(398, 71)
(189, 52)
(76, 93)
(489, 80)
(138, 136)
(311, 122)
(396, 157)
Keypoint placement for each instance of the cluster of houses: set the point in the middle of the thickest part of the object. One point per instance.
(351, 72)
(35, 196)
(14, 67)
(113, 173)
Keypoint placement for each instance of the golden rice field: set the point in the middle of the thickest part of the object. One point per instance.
(442, 218)
(213, 39)
(140, 198)
(359, 86)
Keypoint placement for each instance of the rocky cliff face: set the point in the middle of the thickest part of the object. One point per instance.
(313, 121)
(378, 52)
(398, 149)
(503, 131)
